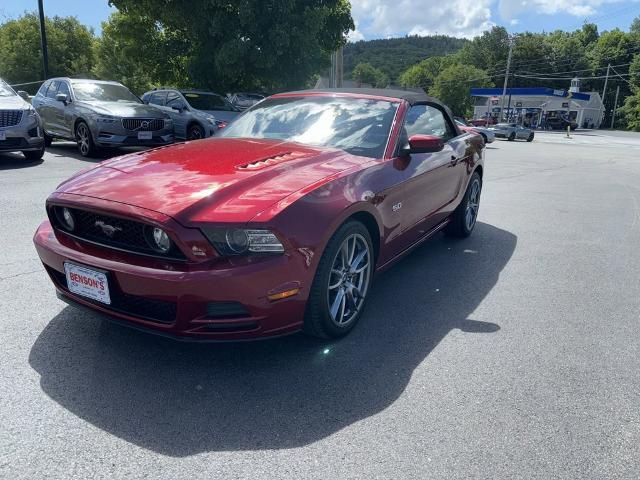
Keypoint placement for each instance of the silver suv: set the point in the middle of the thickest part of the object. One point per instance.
(195, 113)
(98, 114)
(20, 125)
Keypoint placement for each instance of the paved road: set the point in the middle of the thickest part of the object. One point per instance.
(514, 354)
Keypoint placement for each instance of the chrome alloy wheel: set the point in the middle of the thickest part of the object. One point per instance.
(349, 279)
(473, 204)
(83, 139)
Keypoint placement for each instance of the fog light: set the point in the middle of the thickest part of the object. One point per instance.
(161, 240)
(68, 222)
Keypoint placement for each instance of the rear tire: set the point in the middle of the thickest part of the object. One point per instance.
(34, 155)
(85, 140)
(530, 139)
(343, 278)
(463, 219)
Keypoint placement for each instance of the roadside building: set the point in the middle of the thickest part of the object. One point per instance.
(538, 107)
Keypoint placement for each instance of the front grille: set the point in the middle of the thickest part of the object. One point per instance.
(159, 311)
(9, 118)
(115, 232)
(143, 124)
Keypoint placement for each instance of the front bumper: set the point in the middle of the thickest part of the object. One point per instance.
(26, 136)
(183, 300)
(115, 135)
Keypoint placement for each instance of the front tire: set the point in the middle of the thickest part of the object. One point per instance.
(47, 140)
(512, 136)
(530, 139)
(464, 218)
(85, 140)
(341, 284)
(195, 132)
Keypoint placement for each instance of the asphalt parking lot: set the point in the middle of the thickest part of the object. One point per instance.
(513, 354)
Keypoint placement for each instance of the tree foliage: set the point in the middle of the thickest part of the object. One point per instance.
(70, 46)
(452, 86)
(134, 50)
(365, 73)
(249, 43)
(394, 55)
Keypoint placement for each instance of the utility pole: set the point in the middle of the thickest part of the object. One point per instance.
(615, 107)
(604, 92)
(506, 77)
(43, 42)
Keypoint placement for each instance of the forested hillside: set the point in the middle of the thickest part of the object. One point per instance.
(394, 55)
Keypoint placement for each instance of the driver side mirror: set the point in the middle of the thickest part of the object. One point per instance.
(179, 106)
(424, 144)
(62, 97)
(24, 95)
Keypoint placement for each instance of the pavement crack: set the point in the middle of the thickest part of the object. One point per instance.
(19, 275)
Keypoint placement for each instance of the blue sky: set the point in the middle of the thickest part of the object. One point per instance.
(385, 18)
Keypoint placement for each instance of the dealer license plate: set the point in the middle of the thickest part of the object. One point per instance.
(145, 135)
(87, 283)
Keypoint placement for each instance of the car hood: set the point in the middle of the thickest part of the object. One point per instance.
(214, 180)
(121, 109)
(13, 102)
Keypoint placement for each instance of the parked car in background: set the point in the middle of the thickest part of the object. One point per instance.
(97, 113)
(560, 123)
(277, 225)
(486, 134)
(20, 125)
(244, 100)
(195, 113)
(512, 131)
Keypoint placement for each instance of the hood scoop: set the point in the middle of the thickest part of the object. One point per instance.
(270, 161)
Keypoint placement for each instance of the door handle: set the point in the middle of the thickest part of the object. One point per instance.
(454, 160)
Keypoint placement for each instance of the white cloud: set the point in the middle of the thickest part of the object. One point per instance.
(460, 18)
(578, 8)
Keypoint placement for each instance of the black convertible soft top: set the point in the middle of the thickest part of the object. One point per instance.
(408, 95)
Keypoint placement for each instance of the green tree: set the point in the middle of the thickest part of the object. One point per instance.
(134, 50)
(251, 43)
(630, 112)
(424, 73)
(366, 73)
(452, 86)
(70, 48)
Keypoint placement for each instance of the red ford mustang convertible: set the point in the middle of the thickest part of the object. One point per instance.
(277, 226)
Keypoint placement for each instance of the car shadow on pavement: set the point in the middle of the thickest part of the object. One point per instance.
(70, 149)
(13, 161)
(180, 399)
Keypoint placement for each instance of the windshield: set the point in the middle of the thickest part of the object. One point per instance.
(357, 125)
(6, 90)
(103, 92)
(208, 101)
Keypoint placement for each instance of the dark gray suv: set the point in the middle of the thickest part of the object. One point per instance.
(98, 114)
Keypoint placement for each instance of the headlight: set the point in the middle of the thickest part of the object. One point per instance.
(168, 120)
(108, 119)
(211, 119)
(31, 112)
(158, 239)
(66, 219)
(238, 241)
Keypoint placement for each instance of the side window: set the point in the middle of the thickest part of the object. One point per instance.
(43, 88)
(173, 98)
(157, 98)
(64, 88)
(428, 120)
(53, 89)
